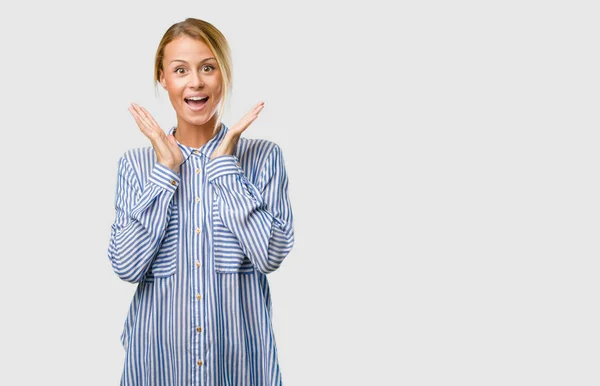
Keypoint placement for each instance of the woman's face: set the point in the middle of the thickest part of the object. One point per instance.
(190, 69)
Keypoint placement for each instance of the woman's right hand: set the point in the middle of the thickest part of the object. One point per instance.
(165, 146)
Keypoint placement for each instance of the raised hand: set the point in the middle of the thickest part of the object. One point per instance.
(227, 146)
(165, 146)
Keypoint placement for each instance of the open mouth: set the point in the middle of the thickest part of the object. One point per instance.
(196, 103)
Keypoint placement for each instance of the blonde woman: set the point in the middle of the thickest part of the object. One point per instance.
(202, 216)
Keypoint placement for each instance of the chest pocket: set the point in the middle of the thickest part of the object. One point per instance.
(165, 262)
(229, 256)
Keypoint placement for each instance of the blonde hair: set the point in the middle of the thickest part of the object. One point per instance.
(214, 39)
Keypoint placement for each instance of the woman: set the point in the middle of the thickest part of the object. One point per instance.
(202, 216)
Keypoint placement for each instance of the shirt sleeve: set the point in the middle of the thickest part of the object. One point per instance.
(141, 219)
(259, 216)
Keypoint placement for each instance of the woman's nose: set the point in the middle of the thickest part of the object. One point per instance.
(196, 81)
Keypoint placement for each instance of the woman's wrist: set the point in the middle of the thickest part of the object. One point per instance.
(227, 147)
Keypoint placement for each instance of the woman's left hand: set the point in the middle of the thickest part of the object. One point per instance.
(227, 146)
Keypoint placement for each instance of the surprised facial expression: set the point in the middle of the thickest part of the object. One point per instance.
(192, 78)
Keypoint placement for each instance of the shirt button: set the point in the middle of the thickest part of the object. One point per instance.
(199, 362)
(198, 230)
(197, 263)
(198, 296)
(198, 199)
(196, 151)
(198, 328)
(198, 170)
(173, 182)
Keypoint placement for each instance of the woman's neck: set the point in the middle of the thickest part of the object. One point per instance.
(194, 136)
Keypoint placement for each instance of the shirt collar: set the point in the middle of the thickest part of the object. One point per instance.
(206, 149)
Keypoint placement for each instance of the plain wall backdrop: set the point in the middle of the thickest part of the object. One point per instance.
(443, 173)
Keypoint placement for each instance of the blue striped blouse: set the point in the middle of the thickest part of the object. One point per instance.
(199, 244)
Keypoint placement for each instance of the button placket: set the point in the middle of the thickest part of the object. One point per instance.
(198, 198)
(197, 224)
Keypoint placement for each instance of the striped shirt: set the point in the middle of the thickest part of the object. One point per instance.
(199, 244)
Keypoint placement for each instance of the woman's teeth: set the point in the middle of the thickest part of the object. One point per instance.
(196, 103)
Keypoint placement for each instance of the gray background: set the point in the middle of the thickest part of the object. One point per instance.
(443, 164)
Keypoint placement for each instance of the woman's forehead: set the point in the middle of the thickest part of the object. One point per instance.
(188, 50)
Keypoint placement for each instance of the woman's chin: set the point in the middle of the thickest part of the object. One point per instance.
(196, 119)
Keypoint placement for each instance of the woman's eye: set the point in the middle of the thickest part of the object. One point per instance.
(181, 68)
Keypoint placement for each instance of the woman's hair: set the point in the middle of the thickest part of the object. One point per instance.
(214, 39)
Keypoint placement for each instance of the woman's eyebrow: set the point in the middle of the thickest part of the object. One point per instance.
(181, 60)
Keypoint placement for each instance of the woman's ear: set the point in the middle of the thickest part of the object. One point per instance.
(162, 81)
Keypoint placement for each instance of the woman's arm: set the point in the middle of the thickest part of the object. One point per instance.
(260, 217)
(141, 219)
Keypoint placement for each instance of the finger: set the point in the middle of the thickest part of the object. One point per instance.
(250, 116)
(139, 121)
(153, 126)
(243, 123)
(153, 134)
(135, 111)
(143, 117)
(257, 108)
(148, 123)
(253, 113)
(150, 118)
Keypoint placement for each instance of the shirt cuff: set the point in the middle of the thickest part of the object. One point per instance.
(223, 165)
(164, 177)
